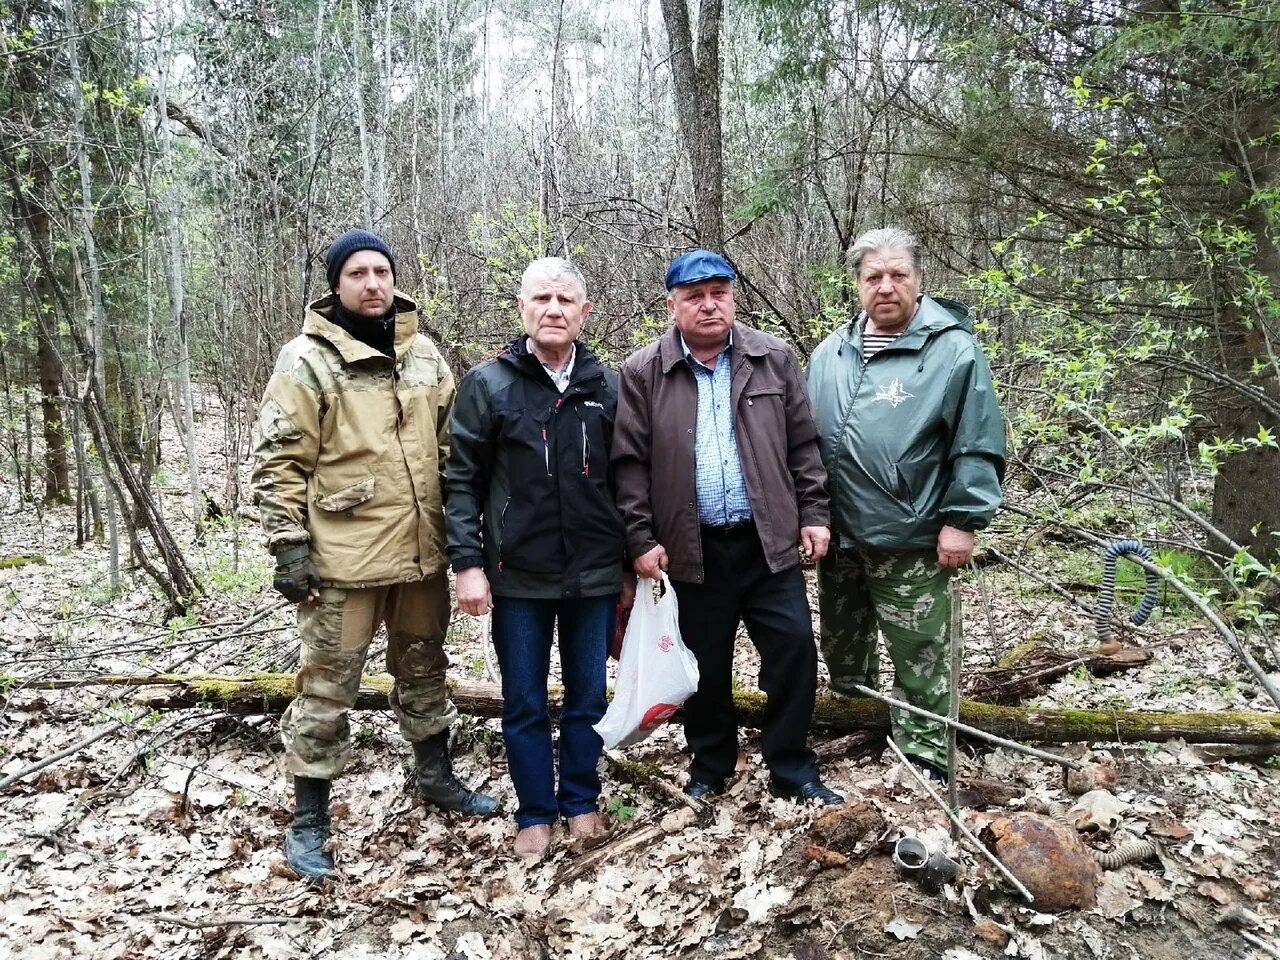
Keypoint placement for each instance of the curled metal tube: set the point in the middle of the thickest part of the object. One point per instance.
(1107, 592)
(1130, 851)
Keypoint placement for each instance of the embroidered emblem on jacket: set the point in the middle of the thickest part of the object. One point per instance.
(894, 393)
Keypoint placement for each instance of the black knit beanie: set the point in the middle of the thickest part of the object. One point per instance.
(348, 243)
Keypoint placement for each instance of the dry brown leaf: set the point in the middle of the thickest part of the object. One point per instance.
(990, 931)
(1216, 892)
(1168, 828)
(1114, 898)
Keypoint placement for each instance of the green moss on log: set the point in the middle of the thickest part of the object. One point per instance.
(636, 772)
(271, 693)
(1020, 652)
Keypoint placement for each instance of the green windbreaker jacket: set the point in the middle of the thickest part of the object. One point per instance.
(912, 439)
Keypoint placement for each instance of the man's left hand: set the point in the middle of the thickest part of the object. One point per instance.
(955, 547)
(814, 542)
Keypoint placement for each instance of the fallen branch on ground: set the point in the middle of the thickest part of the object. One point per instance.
(270, 693)
(651, 776)
(1028, 670)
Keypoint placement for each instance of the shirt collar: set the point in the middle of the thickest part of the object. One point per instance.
(688, 354)
(561, 379)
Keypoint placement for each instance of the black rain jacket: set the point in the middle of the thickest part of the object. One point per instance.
(529, 492)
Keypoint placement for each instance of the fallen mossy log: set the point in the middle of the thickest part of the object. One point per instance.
(269, 693)
(1028, 669)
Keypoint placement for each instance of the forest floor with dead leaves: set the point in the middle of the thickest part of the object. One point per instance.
(161, 838)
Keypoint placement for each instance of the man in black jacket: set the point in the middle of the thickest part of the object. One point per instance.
(533, 535)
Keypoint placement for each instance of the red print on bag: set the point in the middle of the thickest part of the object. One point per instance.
(657, 714)
(664, 643)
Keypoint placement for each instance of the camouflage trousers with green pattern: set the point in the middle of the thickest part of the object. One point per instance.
(905, 596)
(336, 630)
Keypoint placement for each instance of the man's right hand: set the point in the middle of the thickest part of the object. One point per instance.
(472, 589)
(652, 564)
(296, 578)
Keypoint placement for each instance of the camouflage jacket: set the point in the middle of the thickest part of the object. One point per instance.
(348, 451)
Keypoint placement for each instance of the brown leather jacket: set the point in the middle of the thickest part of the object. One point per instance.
(653, 450)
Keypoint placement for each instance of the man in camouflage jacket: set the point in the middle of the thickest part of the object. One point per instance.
(349, 447)
(913, 443)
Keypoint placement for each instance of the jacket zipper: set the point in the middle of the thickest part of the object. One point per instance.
(546, 444)
(586, 450)
(502, 526)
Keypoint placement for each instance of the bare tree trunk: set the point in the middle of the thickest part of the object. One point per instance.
(97, 380)
(57, 483)
(12, 445)
(697, 96)
(381, 77)
(179, 585)
(554, 212)
(357, 77)
(177, 275)
(442, 107)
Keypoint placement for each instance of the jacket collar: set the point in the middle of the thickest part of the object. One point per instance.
(585, 363)
(746, 342)
(317, 324)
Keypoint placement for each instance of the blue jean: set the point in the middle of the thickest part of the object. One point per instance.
(522, 631)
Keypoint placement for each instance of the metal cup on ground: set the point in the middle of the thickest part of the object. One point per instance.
(910, 856)
(938, 871)
(913, 861)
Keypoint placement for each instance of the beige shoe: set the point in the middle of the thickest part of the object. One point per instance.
(586, 825)
(533, 841)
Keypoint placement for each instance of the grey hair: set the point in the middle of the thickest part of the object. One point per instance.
(552, 268)
(882, 239)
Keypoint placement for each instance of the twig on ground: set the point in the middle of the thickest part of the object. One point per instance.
(240, 631)
(863, 741)
(225, 921)
(1261, 944)
(968, 730)
(661, 783)
(70, 751)
(955, 641)
(81, 808)
(609, 851)
(964, 831)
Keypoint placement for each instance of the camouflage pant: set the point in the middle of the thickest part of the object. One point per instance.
(336, 631)
(905, 595)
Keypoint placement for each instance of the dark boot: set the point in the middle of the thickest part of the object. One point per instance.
(308, 833)
(436, 784)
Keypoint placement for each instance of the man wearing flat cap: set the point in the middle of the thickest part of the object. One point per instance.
(348, 451)
(721, 484)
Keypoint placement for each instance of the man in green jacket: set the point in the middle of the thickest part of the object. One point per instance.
(913, 444)
(348, 450)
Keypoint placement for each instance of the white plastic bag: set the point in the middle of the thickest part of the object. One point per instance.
(656, 672)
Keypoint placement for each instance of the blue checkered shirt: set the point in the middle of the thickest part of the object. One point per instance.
(722, 491)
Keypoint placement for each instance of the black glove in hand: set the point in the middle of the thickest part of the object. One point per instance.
(295, 574)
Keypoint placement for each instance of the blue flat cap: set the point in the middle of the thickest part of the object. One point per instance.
(698, 265)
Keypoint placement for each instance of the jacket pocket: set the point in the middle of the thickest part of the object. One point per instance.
(347, 497)
(903, 491)
(765, 406)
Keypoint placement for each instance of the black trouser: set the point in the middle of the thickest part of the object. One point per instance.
(739, 586)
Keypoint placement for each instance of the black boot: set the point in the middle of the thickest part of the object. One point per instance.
(436, 784)
(308, 833)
